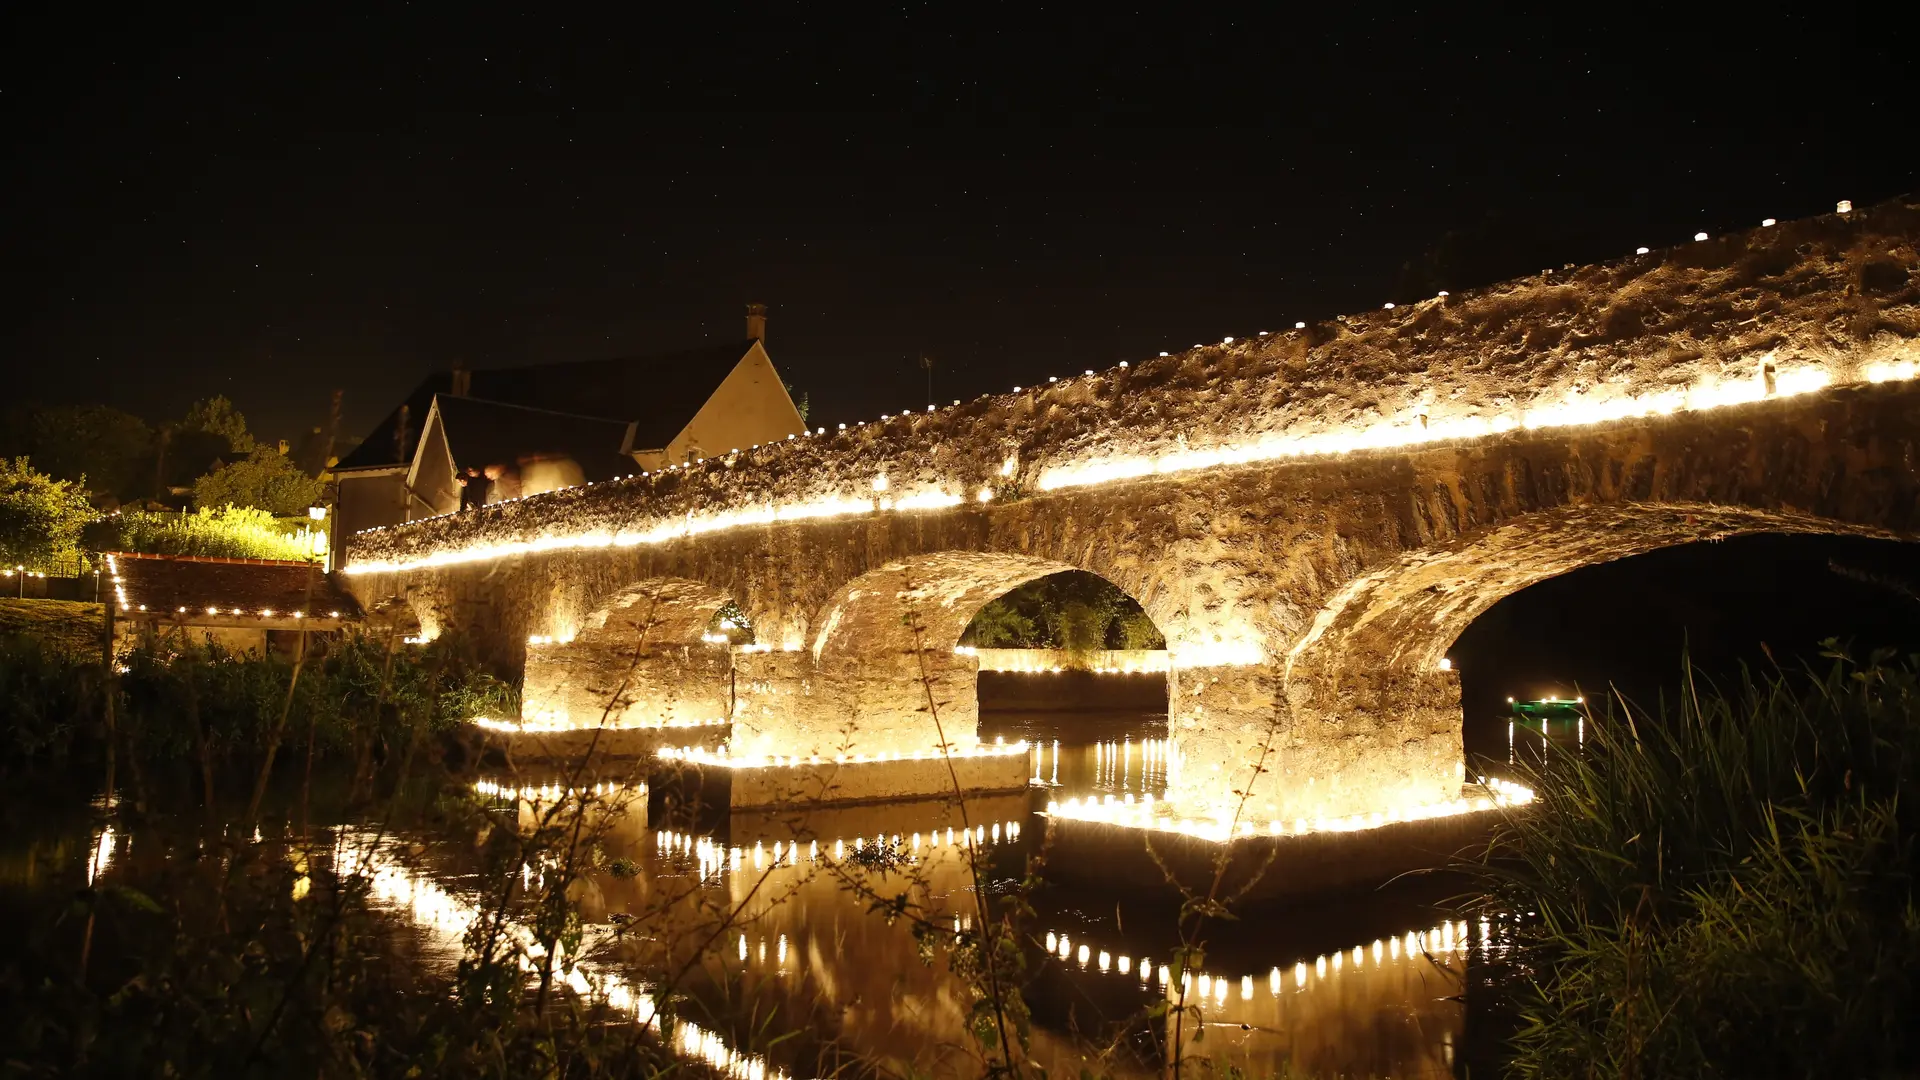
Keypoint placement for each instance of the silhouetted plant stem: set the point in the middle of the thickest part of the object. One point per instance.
(988, 944)
(188, 653)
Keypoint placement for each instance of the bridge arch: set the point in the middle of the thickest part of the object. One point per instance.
(1366, 705)
(886, 642)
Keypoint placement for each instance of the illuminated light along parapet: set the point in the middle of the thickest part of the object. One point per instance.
(694, 755)
(553, 726)
(554, 792)
(665, 531)
(714, 856)
(1414, 427)
(1153, 815)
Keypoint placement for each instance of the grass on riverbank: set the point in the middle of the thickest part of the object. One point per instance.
(356, 695)
(65, 625)
(1725, 887)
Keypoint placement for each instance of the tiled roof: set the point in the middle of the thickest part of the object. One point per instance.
(482, 433)
(167, 584)
(659, 393)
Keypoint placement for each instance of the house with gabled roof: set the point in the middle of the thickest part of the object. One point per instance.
(467, 437)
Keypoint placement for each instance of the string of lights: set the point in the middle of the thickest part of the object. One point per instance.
(1445, 940)
(1147, 813)
(550, 724)
(696, 755)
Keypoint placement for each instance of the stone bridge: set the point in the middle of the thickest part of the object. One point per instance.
(1311, 516)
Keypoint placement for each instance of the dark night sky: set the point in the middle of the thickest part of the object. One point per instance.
(275, 206)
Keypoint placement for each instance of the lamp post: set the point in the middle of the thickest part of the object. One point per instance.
(317, 515)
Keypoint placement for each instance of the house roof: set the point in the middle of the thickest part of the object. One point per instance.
(165, 584)
(482, 433)
(659, 393)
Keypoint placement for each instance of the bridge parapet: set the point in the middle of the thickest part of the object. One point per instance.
(1774, 312)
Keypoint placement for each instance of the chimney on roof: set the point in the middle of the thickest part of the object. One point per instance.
(757, 322)
(462, 380)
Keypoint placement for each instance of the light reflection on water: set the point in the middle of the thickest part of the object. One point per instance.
(771, 916)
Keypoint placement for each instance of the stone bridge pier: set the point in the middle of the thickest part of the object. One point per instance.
(641, 660)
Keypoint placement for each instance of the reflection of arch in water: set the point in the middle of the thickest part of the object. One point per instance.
(640, 658)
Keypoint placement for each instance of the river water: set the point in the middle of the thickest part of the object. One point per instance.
(768, 922)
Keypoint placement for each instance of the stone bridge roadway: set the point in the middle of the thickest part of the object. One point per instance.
(1310, 516)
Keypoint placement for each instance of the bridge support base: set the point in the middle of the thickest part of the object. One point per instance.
(788, 705)
(577, 684)
(1374, 743)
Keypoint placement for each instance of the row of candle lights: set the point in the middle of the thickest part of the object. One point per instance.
(699, 755)
(547, 793)
(1415, 427)
(1448, 938)
(1146, 813)
(550, 724)
(1024, 661)
(1412, 430)
(714, 856)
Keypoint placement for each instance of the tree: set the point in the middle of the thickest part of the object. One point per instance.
(217, 416)
(1073, 610)
(266, 479)
(40, 517)
(1000, 625)
(104, 449)
(212, 432)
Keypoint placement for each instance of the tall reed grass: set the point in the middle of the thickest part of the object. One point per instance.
(1723, 886)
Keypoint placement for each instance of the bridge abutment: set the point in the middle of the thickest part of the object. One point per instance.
(788, 704)
(1293, 751)
(578, 684)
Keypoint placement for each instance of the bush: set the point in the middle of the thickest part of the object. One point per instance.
(49, 696)
(54, 701)
(348, 694)
(41, 518)
(1725, 889)
(232, 532)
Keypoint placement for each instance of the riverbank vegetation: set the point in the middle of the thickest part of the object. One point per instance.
(1724, 886)
(1720, 886)
(78, 480)
(356, 696)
